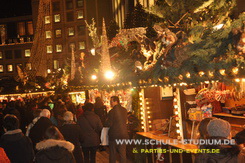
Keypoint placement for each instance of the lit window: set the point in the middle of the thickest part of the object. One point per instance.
(1, 68)
(57, 18)
(56, 64)
(58, 48)
(1, 55)
(10, 68)
(49, 49)
(71, 31)
(28, 66)
(58, 32)
(30, 28)
(47, 19)
(21, 28)
(80, 14)
(27, 52)
(79, 3)
(81, 45)
(48, 34)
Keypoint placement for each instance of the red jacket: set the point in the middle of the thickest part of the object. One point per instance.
(3, 157)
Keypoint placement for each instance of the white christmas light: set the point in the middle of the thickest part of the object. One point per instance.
(109, 75)
(93, 77)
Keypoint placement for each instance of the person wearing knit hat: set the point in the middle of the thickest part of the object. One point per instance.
(219, 128)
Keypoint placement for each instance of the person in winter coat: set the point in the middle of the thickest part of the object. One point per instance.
(3, 157)
(240, 140)
(100, 109)
(39, 127)
(17, 146)
(72, 133)
(219, 130)
(91, 126)
(54, 148)
(117, 121)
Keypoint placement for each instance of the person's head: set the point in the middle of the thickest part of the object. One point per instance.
(240, 137)
(98, 102)
(10, 122)
(202, 127)
(88, 107)
(219, 128)
(68, 116)
(45, 113)
(114, 101)
(53, 133)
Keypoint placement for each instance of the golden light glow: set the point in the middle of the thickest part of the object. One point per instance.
(166, 79)
(201, 73)
(178, 131)
(92, 51)
(181, 77)
(222, 72)
(177, 125)
(93, 77)
(188, 75)
(109, 75)
(235, 70)
(237, 80)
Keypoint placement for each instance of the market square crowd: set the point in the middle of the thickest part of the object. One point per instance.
(52, 129)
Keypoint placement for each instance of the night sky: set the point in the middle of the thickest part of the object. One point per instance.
(11, 8)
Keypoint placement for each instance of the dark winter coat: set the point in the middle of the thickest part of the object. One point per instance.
(101, 112)
(54, 151)
(117, 121)
(17, 146)
(227, 154)
(38, 130)
(91, 127)
(73, 134)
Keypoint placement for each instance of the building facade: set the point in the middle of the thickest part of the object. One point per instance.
(66, 26)
(15, 44)
(120, 8)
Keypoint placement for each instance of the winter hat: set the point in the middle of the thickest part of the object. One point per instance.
(219, 128)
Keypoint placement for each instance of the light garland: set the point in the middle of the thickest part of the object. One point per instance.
(142, 110)
(177, 112)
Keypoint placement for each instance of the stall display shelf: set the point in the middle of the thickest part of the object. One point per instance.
(228, 115)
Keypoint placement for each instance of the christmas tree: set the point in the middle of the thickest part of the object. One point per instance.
(105, 56)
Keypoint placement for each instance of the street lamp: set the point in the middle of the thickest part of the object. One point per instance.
(94, 77)
(109, 75)
(92, 51)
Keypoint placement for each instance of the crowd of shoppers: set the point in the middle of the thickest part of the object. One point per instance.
(53, 129)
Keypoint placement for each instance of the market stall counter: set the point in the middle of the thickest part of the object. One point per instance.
(170, 150)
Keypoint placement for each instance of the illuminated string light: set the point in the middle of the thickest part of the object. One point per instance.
(93, 77)
(235, 70)
(222, 72)
(201, 73)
